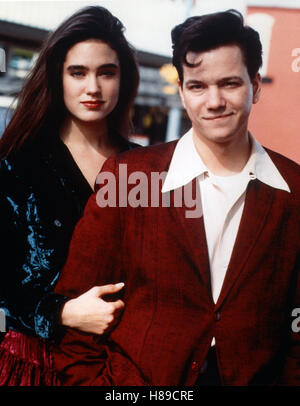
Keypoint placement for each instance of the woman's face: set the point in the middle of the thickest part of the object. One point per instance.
(91, 80)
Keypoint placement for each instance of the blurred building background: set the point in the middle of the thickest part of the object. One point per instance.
(158, 115)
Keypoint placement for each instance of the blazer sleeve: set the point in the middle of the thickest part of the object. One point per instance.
(93, 259)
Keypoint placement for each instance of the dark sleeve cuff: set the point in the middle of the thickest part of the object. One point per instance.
(47, 317)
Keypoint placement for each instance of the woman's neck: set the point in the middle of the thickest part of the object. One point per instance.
(86, 135)
(90, 146)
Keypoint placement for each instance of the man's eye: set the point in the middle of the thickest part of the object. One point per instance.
(196, 87)
(232, 84)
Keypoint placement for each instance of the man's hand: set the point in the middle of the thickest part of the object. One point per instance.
(90, 313)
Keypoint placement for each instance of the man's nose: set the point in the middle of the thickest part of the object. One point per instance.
(215, 99)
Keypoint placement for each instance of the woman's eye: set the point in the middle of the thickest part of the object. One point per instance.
(77, 74)
(108, 73)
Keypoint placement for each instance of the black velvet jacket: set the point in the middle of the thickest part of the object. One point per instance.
(42, 196)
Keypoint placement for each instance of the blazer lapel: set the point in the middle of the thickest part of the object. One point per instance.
(258, 203)
(192, 233)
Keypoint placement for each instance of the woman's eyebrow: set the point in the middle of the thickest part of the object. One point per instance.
(104, 66)
(72, 67)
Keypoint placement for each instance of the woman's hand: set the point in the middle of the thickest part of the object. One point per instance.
(90, 313)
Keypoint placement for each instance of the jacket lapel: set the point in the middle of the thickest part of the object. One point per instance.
(258, 203)
(192, 234)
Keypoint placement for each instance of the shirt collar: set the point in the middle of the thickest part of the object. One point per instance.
(186, 165)
(264, 168)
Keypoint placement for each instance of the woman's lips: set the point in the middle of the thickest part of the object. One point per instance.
(92, 104)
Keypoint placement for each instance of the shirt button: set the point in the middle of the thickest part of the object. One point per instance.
(57, 223)
(217, 316)
(196, 366)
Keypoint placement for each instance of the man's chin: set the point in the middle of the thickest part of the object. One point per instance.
(221, 138)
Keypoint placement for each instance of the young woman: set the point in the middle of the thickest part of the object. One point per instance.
(73, 113)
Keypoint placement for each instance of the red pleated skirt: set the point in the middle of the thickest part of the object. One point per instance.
(26, 361)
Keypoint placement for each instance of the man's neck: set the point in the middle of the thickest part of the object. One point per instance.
(224, 158)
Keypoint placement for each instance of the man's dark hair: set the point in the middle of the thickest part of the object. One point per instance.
(210, 31)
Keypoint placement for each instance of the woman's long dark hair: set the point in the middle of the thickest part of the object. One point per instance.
(40, 103)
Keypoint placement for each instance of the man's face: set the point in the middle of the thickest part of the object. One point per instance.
(218, 94)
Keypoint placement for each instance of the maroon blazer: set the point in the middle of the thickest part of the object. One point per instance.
(170, 317)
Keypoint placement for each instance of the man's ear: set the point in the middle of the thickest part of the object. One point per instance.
(256, 83)
(181, 92)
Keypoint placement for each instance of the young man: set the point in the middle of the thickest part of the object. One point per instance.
(209, 293)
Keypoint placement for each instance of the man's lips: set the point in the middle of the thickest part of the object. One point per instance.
(219, 117)
(92, 104)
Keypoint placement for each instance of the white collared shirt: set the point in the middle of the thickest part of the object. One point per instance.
(222, 198)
